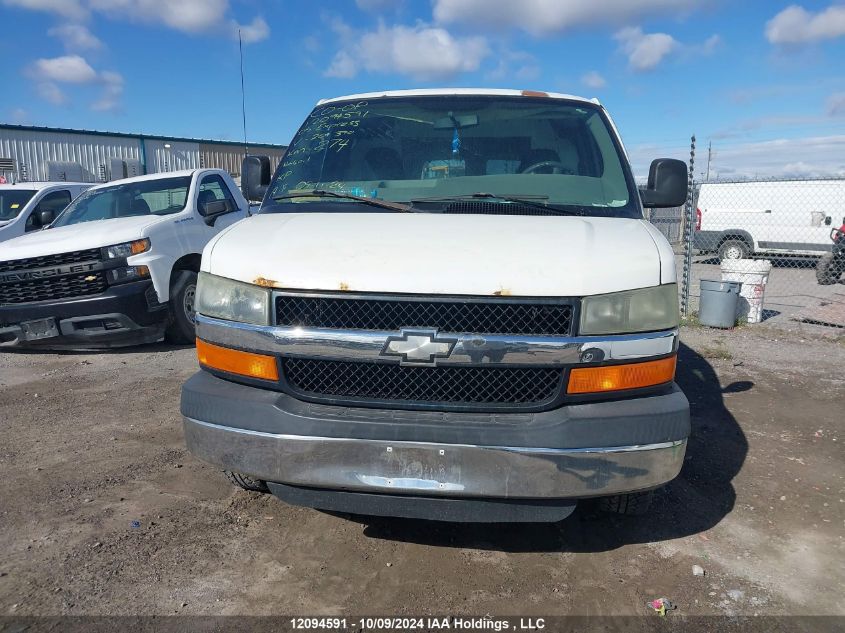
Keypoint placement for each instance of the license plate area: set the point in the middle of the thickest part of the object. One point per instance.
(40, 329)
(417, 469)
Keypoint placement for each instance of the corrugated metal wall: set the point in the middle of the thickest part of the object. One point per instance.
(229, 157)
(32, 150)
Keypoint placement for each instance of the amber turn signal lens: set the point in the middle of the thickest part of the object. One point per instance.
(235, 361)
(618, 377)
(139, 246)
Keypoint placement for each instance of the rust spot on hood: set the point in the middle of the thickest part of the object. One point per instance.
(504, 292)
(266, 283)
(344, 285)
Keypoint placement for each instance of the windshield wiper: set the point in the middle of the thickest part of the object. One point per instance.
(528, 201)
(320, 193)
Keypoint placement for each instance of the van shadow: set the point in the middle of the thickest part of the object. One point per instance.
(697, 500)
(117, 351)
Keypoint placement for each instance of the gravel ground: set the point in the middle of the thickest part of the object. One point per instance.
(104, 512)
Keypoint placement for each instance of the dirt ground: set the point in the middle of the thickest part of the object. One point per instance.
(102, 510)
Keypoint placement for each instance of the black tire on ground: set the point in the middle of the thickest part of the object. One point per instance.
(825, 274)
(633, 504)
(734, 249)
(181, 330)
(246, 482)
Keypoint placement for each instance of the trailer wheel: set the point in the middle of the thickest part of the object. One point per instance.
(631, 504)
(246, 482)
(825, 274)
(182, 330)
(733, 249)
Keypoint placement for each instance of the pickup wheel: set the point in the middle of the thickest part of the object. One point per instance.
(825, 273)
(733, 249)
(182, 330)
(246, 482)
(632, 504)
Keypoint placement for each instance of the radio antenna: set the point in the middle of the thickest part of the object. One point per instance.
(243, 92)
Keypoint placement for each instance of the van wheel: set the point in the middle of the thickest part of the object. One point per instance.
(733, 249)
(246, 482)
(632, 504)
(825, 274)
(182, 330)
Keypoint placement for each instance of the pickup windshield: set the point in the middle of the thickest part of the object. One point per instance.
(455, 153)
(161, 196)
(12, 202)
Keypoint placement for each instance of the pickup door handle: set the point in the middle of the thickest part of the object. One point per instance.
(828, 220)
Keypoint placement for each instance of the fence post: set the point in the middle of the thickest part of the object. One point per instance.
(689, 219)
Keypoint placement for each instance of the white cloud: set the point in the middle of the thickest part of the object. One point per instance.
(546, 17)
(711, 44)
(50, 73)
(75, 37)
(377, 5)
(515, 65)
(66, 69)
(67, 8)
(817, 156)
(836, 104)
(253, 32)
(796, 25)
(110, 99)
(190, 16)
(19, 116)
(594, 80)
(422, 52)
(645, 50)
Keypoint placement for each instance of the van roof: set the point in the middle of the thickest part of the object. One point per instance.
(494, 92)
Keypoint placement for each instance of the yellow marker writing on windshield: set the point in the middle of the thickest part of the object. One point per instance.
(14, 206)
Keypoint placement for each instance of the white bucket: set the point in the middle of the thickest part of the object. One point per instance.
(753, 274)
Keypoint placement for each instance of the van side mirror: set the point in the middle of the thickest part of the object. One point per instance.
(667, 184)
(45, 218)
(255, 176)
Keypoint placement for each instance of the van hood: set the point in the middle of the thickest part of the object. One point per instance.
(77, 237)
(424, 253)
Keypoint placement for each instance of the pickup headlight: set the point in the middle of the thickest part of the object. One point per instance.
(644, 310)
(127, 249)
(232, 300)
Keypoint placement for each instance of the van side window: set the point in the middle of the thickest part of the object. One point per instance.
(55, 201)
(213, 188)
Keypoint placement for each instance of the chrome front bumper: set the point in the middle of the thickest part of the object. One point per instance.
(430, 469)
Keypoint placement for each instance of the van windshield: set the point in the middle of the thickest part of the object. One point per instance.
(12, 202)
(161, 196)
(431, 151)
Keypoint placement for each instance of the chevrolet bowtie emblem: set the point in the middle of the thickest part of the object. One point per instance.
(418, 347)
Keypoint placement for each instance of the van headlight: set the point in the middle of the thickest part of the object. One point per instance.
(643, 310)
(232, 300)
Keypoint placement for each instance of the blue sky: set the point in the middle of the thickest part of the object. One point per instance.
(762, 80)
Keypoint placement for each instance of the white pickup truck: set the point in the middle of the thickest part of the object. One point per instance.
(448, 307)
(119, 265)
(30, 206)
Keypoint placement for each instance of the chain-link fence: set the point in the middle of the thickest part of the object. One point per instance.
(784, 239)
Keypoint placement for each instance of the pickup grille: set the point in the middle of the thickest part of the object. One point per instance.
(45, 261)
(474, 316)
(500, 387)
(50, 288)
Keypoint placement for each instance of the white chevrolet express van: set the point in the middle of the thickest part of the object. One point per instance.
(449, 307)
(119, 265)
(30, 206)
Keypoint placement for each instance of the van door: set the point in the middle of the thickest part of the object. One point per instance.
(802, 216)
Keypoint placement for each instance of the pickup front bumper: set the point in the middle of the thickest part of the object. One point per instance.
(126, 314)
(426, 464)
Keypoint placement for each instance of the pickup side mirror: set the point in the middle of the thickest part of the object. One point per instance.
(667, 184)
(45, 218)
(213, 210)
(255, 177)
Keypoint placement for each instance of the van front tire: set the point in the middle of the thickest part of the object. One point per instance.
(182, 329)
(631, 504)
(733, 249)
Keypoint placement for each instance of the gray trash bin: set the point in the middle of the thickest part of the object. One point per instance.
(717, 307)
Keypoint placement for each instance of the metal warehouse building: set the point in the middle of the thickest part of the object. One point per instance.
(40, 153)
